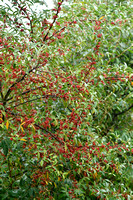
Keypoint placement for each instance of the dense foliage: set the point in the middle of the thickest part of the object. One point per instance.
(66, 100)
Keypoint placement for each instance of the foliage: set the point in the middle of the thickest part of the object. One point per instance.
(66, 100)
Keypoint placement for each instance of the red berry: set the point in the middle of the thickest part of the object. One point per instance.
(59, 3)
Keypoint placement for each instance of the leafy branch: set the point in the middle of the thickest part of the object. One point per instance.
(54, 20)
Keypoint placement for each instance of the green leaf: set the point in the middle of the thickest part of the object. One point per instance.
(14, 193)
(4, 145)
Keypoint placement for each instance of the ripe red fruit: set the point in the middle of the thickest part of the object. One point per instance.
(59, 3)
(55, 16)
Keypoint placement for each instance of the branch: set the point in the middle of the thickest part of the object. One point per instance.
(44, 96)
(45, 37)
(27, 17)
(12, 113)
(26, 92)
(18, 81)
(55, 137)
(60, 30)
(124, 111)
(124, 51)
(115, 116)
(120, 54)
(1, 90)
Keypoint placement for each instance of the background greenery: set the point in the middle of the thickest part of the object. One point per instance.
(66, 100)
